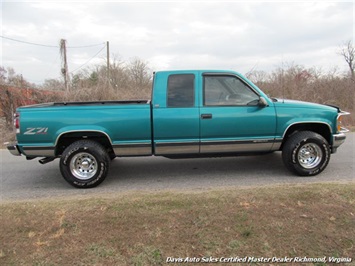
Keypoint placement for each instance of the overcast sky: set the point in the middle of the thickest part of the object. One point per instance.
(175, 35)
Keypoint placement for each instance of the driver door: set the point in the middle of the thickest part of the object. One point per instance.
(231, 119)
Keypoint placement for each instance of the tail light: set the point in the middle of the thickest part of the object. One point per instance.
(17, 122)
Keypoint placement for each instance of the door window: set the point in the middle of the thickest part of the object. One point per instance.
(228, 91)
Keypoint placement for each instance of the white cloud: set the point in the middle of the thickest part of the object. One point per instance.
(172, 35)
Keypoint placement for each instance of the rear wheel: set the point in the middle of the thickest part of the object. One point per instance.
(84, 164)
(306, 153)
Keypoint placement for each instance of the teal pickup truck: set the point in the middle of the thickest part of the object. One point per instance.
(191, 114)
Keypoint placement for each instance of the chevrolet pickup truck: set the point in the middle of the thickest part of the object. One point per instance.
(199, 113)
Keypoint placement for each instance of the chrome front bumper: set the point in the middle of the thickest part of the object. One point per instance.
(338, 139)
(13, 149)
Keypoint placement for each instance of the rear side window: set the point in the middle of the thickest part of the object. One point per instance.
(181, 90)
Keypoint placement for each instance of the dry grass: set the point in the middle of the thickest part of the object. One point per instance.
(145, 229)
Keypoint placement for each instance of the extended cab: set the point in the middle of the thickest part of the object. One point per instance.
(191, 114)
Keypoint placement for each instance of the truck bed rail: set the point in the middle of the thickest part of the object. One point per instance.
(88, 103)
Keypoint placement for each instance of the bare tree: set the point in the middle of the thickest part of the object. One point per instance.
(139, 73)
(2, 75)
(52, 84)
(348, 52)
(257, 76)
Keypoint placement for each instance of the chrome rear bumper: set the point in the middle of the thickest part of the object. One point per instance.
(13, 149)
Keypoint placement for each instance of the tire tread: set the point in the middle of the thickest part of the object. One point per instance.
(99, 151)
(290, 145)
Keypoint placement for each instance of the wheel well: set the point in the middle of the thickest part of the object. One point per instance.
(68, 138)
(321, 129)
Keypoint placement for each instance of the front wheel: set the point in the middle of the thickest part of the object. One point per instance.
(84, 164)
(306, 153)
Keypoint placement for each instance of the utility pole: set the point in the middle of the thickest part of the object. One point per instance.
(64, 69)
(108, 61)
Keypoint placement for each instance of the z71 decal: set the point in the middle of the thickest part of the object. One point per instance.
(36, 131)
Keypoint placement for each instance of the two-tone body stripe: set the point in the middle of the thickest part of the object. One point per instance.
(257, 145)
(39, 151)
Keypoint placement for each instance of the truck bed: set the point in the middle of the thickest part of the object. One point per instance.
(125, 124)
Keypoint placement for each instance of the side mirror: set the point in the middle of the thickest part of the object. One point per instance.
(262, 102)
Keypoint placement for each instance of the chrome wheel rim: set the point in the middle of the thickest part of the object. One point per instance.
(310, 155)
(83, 166)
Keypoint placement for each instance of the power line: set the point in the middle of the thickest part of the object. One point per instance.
(71, 72)
(50, 46)
(43, 45)
(56, 46)
(87, 46)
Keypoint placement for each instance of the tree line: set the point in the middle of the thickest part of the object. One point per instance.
(133, 80)
(292, 81)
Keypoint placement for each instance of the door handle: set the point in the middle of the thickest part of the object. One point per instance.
(206, 116)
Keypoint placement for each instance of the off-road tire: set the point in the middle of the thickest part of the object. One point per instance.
(84, 164)
(306, 153)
